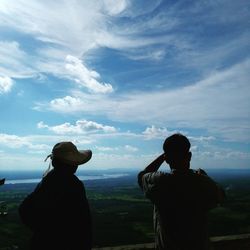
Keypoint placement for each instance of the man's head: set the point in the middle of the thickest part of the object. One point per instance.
(176, 148)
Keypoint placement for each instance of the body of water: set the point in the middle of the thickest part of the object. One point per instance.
(81, 177)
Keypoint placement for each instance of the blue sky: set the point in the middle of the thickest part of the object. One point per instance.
(119, 76)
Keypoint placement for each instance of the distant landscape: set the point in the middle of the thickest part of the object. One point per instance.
(121, 214)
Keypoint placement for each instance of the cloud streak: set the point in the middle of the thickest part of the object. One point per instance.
(80, 127)
(190, 106)
(14, 141)
(85, 77)
(64, 43)
(151, 66)
(86, 28)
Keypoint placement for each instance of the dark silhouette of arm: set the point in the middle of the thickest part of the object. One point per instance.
(152, 167)
(27, 211)
(216, 190)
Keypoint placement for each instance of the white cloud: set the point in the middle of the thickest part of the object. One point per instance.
(140, 7)
(92, 24)
(128, 161)
(15, 62)
(17, 162)
(153, 132)
(146, 54)
(202, 138)
(219, 103)
(127, 148)
(131, 148)
(80, 127)
(101, 148)
(67, 104)
(60, 36)
(14, 141)
(221, 96)
(6, 84)
(65, 48)
(238, 155)
(85, 77)
(222, 154)
(114, 7)
(194, 148)
(80, 102)
(30, 18)
(89, 25)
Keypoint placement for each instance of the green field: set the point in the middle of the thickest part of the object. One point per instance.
(121, 214)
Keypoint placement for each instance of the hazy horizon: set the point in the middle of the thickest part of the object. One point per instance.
(117, 170)
(35, 176)
(118, 77)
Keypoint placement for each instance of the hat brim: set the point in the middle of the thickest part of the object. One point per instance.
(77, 158)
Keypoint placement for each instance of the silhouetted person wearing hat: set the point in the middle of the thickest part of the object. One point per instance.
(57, 211)
(181, 198)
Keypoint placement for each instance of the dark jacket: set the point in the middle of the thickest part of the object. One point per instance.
(58, 213)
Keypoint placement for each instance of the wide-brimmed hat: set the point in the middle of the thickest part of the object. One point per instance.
(67, 152)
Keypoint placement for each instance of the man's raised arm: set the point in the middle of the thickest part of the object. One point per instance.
(152, 167)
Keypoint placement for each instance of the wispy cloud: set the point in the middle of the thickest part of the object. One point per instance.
(114, 7)
(190, 106)
(15, 62)
(202, 138)
(154, 132)
(86, 27)
(14, 141)
(80, 127)
(110, 58)
(168, 34)
(85, 77)
(127, 148)
(106, 149)
(131, 148)
(223, 154)
(59, 36)
(38, 144)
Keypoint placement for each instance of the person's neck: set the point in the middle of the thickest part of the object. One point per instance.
(181, 171)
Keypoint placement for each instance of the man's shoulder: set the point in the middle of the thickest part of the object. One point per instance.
(158, 176)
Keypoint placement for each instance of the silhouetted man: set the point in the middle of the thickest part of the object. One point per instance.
(57, 211)
(181, 198)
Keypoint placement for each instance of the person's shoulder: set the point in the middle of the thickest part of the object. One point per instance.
(163, 175)
(76, 182)
(157, 177)
(157, 174)
(61, 179)
(48, 178)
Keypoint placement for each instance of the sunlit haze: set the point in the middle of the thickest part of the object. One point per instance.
(118, 77)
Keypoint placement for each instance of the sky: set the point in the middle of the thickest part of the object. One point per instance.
(119, 76)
